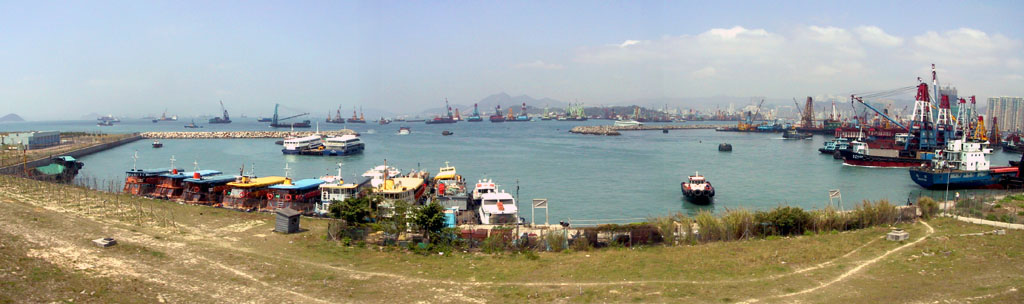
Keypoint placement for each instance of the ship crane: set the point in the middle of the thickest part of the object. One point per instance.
(276, 119)
(861, 100)
(225, 110)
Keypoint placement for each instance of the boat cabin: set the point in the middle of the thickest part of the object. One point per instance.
(300, 195)
(498, 209)
(339, 191)
(249, 193)
(143, 181)
(408, 189)
(171, 185)
(205, 190)
(482, 187)
(302, 142)
(450, 189)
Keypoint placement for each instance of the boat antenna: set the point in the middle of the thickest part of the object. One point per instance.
(286, 170)
(172, 162)
(252, 169)
(241, 171)
(195, 165)
(339, 169)
(135, 160)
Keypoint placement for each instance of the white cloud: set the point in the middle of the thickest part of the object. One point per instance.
(806, 60)
(540, 65)
(876, 36)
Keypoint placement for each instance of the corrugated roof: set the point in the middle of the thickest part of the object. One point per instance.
(66, 158)
(259, 182)
(192, 173)
(51, 169)
(212, 180)
(304, 184)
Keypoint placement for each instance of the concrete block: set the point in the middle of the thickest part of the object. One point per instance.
(897, 235)
(104, 242)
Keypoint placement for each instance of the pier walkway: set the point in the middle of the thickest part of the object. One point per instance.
(82, 151)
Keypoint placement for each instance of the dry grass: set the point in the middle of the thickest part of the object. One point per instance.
(198, 254)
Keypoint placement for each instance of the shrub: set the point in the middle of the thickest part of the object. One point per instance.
(928, 207)
(495, 243)
(787, 220)
(581, 243)
(555, 240)
(709, 228)
(829, 219)
(666, 225)
(430, 218)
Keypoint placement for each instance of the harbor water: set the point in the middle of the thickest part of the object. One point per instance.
(634, 175)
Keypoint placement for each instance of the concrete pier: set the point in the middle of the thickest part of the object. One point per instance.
(242, 134)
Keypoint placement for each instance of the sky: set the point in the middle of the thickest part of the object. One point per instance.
(69, 58)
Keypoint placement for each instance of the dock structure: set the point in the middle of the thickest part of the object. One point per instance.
(243, 134)
(614, 130)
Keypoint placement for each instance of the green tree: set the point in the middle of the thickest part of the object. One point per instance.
(398, 222)
(354, 211)
(430, 218)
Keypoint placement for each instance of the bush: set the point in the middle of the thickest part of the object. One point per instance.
(555, 240)
(828, 219)
(786, 221)
(737, 224)
(495, 243)
(709, 228)
(581, 243)
(929, 207)
(666, 225)
(430, 218)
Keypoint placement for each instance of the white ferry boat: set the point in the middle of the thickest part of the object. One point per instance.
(335, 189)
(482, 187)
(302, 145)
(627, 123)
(343, 145)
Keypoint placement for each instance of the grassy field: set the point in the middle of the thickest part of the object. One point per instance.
(180, 253)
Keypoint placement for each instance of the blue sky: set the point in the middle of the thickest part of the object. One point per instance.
(139, 57)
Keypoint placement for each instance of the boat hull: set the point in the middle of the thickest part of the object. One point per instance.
(938, 179)
(862, 160)
(355, 149)
(698, 196)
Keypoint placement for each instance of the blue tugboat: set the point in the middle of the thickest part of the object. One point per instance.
(961, 165)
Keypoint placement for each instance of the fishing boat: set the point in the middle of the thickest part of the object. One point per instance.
(335, 189)
(383, 121)
(301, 195)
(697, 189)
(450, 189)
(497, 117)
(476, 115)
(961, 165)
(171, 185)
(205, 190)
(794, 134)
(343, 145)
(447, 119)
(498, 208)
(157, 144)
(309, 145)
(404, 131)
(193, 125)
(142, 181)
(248, 193)
(830, 147)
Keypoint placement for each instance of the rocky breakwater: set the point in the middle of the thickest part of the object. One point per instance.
(243, 134)
(595, 130)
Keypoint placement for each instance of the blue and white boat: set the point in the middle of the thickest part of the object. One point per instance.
(303, 145)
(961, 165)
(831, 146)
(343, 145)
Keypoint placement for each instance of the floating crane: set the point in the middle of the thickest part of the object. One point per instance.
(276, 121)
(221, 120)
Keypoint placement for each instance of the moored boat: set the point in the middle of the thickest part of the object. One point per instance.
(830, 147)
(961, 165)
(171, 185)
(860, 155)
(697, 189)
(248, 193)
(404, 131)
(301, 195)
(205, 190)
(62, 169)
(450, 189)
(142, 181)
(343, 145)
(498, 208)
(335, 189)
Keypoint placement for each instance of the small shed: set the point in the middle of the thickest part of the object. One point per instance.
(287, 220)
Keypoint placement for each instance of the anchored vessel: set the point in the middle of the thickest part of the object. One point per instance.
(62, 169)
(498, 208)
(172, 185)
(830, 147)
(221, 120)
(142, 181)
(961, 165)
(793, 134)
(497, 117)
(450, 188)
(449, 118)
(248, 193)
(205, 190)
(476, 115)
(343, 145)
(697, 189)
(334, 189)
(301, 195)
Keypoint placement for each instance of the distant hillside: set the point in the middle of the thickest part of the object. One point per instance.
(11, 118)
(486, 105)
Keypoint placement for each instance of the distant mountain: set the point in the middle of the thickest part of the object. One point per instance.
(11, 118)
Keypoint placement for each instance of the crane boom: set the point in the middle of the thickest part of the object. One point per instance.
(861, 100)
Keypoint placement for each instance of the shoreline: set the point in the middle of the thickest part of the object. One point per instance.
(242, 134)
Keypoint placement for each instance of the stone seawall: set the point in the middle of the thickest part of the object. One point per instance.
(242, 134)
(76, 154)
(613, 130)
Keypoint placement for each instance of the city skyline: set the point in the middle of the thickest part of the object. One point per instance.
(68, 59)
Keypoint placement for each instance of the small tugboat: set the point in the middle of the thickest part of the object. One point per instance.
(497, 117)
(193, 125)
(157, 144)
(794, 134)
(476, 115)
(446, 133)
(725, 147)
(961, 165)
(697, 189)
(404, 131)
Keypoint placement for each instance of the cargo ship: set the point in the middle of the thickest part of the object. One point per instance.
(337, 118)
(962, 165)
(518, 118)
(163, 117)
(449, 118)
(476, 115)
(861, 155)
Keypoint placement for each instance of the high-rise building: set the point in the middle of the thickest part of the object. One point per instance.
(1009, 111)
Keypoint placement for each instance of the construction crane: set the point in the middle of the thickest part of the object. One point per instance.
(276, 120)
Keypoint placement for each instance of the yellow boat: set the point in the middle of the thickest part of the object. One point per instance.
(247, 193)
(447, 172)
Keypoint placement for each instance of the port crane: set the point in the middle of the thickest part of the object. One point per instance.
(276, 119)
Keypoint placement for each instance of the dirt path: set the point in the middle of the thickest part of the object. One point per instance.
(852, 271)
